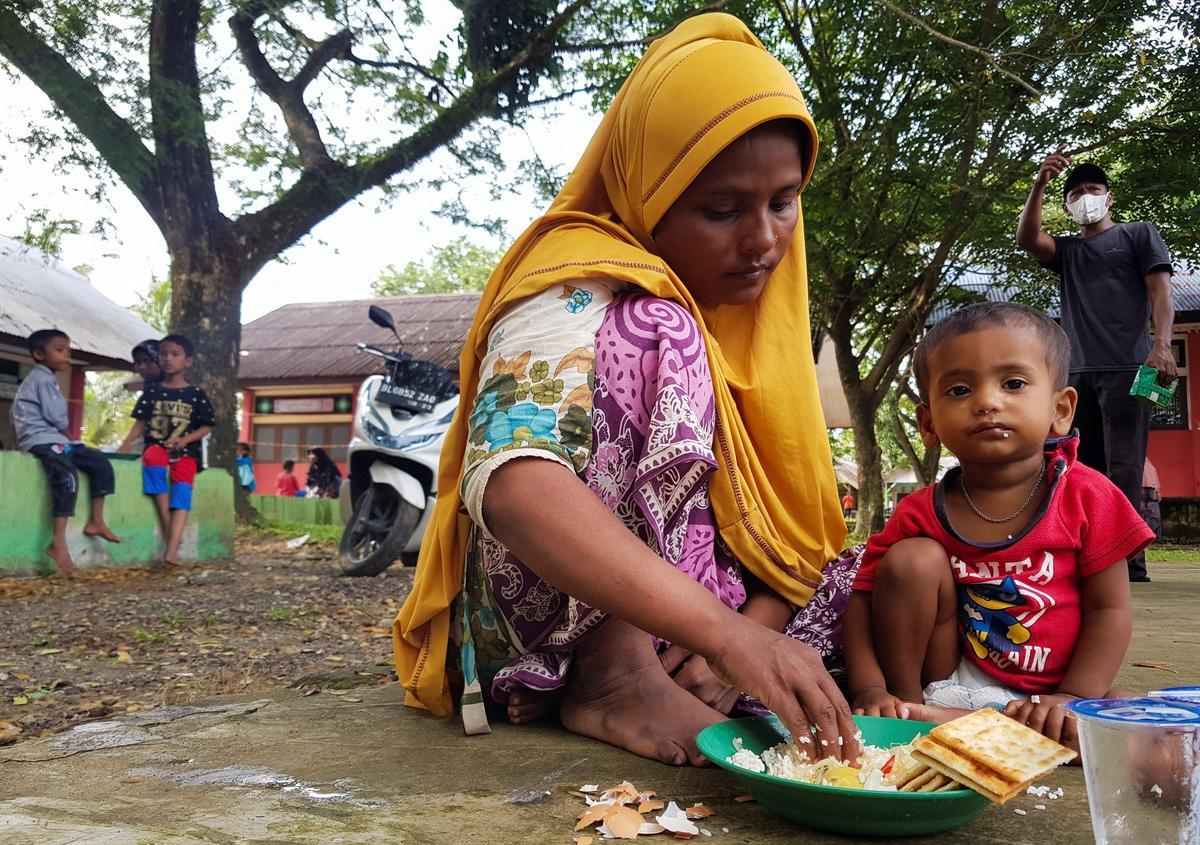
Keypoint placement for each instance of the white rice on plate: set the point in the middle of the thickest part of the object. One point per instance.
(790, 762)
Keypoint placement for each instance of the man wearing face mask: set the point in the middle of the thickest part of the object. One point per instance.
(1115, 280)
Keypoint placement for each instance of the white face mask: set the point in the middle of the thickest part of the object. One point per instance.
(1089, 208)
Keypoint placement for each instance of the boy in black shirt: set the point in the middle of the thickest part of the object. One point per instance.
(172, 417)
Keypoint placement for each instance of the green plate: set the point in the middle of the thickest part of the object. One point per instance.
(853, 811)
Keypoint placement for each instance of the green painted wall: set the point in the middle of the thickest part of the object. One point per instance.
(295, 509)
(25, 519)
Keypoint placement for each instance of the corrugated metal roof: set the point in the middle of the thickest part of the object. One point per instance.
(318, 340)
(1185, 289)
(38, 292)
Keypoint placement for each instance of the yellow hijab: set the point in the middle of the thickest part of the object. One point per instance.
(695, 91)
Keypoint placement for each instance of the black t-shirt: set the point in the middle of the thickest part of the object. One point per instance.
(1105, 307)
(174, 412)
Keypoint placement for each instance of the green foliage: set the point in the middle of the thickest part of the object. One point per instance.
(46, 233)
(154, 306)
(458, 266)
(106, 408)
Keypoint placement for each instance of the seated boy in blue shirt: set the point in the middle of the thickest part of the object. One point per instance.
(39, 414)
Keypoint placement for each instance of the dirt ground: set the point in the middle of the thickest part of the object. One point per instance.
(117, 641)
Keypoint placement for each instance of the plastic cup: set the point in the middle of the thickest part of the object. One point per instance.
(1141, 761)
(1190, 694)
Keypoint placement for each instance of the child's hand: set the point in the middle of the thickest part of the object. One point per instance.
(173, 444)
(1046, 715)
(876, 701)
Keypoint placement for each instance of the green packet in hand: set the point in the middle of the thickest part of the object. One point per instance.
(1146, 385)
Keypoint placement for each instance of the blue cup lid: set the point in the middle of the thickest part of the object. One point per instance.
(1138, 711)
(1179, 693)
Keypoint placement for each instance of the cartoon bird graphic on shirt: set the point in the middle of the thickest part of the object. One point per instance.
(987, 618)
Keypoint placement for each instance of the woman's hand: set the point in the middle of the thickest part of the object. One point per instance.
(1046, 715)
(876, 701)
(789, 678)
(692, 672)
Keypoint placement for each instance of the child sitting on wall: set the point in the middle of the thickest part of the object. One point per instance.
(39, 415)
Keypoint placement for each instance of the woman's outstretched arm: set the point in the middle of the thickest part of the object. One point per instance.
(558, 528)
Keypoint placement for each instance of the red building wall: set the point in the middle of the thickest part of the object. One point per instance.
(1174, 452)
(265, 472)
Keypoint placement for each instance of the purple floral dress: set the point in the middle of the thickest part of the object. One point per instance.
(652, 420)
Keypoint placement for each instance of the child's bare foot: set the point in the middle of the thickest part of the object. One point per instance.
(101, 530)
(526, 705)
(171, 558)
(619, 693)
(62, 559)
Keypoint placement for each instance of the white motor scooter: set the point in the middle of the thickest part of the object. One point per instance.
(399, 425)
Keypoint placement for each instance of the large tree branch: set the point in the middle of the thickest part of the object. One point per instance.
(193, 215)
(84, 105)
(971, 48)
(319, 193)
(288, 95)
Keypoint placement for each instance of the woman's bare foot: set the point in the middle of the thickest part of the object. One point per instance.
(101, 530)
(62, 559)
(526, 705)
(171, 557)
(619, 693)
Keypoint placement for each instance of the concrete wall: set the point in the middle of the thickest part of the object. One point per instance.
(25, 519)
(295, 509)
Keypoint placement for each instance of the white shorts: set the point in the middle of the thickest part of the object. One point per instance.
(970, 688)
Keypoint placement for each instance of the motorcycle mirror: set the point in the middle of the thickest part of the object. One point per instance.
(381, 317)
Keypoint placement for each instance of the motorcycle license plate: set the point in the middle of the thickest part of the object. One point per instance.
(408, 398)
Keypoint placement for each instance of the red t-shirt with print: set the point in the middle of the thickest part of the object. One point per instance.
(1018, 600)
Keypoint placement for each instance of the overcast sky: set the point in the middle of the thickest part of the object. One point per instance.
(339, 259)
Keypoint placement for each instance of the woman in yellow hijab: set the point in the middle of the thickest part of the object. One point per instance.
(636, 494)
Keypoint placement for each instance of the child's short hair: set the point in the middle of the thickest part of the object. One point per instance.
(974, 317)
(40, 339)
(182, 342)
(245, 447)
(288, 465)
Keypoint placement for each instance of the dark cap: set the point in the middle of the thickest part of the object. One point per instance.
(1081, 173)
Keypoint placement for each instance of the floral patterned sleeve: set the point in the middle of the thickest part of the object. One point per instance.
(535, 385)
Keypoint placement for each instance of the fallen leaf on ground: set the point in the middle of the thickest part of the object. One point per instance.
(47, 651)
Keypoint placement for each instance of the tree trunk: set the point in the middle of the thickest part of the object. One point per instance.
(206, 308)
(870, 463)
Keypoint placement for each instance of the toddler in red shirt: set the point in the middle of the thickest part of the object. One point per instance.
(998, 585)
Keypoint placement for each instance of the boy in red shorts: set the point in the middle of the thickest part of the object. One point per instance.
(1000, 585)
(173, 418)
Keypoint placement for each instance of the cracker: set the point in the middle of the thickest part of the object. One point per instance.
(1011, 750)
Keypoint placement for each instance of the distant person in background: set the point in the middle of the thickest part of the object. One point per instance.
(1114, 281)
(245, 467)
(324, 478)
(848, 504)
(145, 364)
(287, 484)
(1151, 509)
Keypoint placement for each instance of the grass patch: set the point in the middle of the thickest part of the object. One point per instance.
(172, 618)
(283, 614)
(149, 637)
(325, 536)
(1190, 553)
